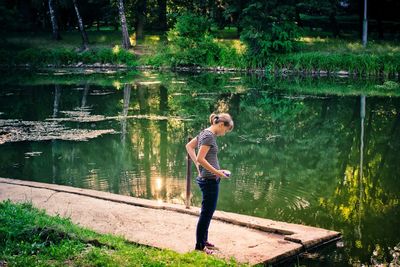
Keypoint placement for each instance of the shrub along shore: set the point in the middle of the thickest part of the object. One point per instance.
(319, 62)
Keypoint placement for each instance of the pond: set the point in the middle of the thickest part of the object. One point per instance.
(317, 151)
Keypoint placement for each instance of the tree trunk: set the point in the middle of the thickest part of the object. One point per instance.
(139, 27)
(53, 18)
(162, 14)
(126, 43)
(365, 26)
(297, 15)
(141, 16)
(85, 42)
(334, 24)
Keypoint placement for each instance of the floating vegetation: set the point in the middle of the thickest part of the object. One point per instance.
(301, 97)
(79, 115)
(150, 117)
(100, 92)
(32, 154)
(84, 116)
(16, 131)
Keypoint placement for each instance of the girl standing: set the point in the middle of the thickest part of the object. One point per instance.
(209, 171)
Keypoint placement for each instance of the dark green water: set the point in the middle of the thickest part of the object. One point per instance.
(297, 154)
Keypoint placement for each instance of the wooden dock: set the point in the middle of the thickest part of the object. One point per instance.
(247, 239)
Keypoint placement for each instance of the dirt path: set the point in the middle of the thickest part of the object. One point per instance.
(247, 239)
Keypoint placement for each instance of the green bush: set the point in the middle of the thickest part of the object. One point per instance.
(191, 27)
(263, 44)
(192, 44)
(268, 27)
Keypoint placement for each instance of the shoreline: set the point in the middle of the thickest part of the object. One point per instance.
(198, 69)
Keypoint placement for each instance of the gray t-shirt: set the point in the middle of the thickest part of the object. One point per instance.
(207, 138)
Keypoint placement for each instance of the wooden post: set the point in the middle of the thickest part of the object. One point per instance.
(188, 177)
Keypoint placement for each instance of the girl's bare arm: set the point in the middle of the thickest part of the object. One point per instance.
(191, 149)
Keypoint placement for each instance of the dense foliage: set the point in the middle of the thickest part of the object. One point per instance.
(191, 43)
(328, 16)
(269, 26)
(229, 33)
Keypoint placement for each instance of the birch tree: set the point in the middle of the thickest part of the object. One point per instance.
(126, 43)
(85, 42)
(53, 18)
(365, 26)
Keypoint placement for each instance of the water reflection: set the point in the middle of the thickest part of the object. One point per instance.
(361, 181)
(125, 109)
(294, 157)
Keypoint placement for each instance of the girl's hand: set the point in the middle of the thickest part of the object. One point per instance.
(224, 173)
(198, 168)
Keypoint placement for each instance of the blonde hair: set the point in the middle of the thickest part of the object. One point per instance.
(222, 117)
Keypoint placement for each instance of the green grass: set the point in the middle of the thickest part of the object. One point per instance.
(71, 40)
(315, 53)
(29, 237)
(356, 63)
(67, 56)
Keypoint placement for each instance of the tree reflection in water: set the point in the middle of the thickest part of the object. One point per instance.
(297, 156)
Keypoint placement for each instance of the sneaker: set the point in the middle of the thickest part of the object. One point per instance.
(208, 251)
(209, 245)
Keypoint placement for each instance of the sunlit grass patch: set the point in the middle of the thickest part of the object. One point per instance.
(29, 237)
(312, 40)
(237, 44)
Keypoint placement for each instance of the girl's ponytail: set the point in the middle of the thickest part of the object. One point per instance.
(213, 118)
(224, 117)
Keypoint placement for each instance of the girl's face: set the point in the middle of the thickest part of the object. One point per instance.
(223, 128)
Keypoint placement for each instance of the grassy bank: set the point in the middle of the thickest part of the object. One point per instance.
(67, 56)
(29, 237)
(335, 55)
(314, 53)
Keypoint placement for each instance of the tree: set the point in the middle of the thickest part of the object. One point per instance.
(327, 8)
(53, 18)
(126, 43)
(162, 14)
(85, 42)
(365, 25)
(233, 12)
(269, 27)
(141, 16)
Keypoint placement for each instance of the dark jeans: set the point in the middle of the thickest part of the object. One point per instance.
(209, 189)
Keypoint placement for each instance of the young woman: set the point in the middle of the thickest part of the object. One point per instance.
(209, 171)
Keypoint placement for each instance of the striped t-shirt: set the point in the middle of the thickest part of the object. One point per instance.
(207, 138)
